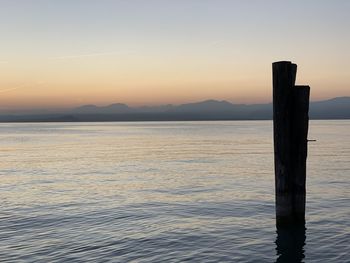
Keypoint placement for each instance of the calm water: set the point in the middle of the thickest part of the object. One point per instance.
(165, 192)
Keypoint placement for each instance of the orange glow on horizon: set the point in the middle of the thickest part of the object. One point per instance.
(101, 81)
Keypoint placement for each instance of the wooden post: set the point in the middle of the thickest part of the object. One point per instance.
(300, 128)
(290, 243)
(290, 126)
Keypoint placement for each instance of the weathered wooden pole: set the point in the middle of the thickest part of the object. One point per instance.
(290, 126)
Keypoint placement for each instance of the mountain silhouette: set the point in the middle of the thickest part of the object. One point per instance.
(333, 108)
(206, 106)
(110, 109)
(336, 108)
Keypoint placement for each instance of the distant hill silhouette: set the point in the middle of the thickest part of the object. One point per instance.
(336, 108)
(110, 109)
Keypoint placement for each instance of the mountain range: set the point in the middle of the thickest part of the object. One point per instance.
(336, 108)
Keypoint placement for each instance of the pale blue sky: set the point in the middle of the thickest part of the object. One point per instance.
(201, 48)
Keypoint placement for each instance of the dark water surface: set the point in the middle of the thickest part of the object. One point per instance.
(166, 192)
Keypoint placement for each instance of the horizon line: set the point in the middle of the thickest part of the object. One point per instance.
(52, 109)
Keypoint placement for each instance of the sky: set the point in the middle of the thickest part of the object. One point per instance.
(66, 53)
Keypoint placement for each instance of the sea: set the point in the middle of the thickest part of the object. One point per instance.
(166, 192)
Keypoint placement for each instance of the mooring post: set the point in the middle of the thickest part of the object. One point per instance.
(290, 126)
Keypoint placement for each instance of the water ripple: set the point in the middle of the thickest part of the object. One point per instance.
(165, 192)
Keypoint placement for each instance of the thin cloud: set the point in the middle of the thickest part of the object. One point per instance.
(215, 43)
(39, 83)
(4, 62)
(8, 90)
(92, 55)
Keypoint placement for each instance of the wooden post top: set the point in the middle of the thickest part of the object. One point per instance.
(282, 61)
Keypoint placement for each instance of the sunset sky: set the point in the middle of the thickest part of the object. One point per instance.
(66, 53)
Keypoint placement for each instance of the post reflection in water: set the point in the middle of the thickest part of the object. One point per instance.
(290, 243)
